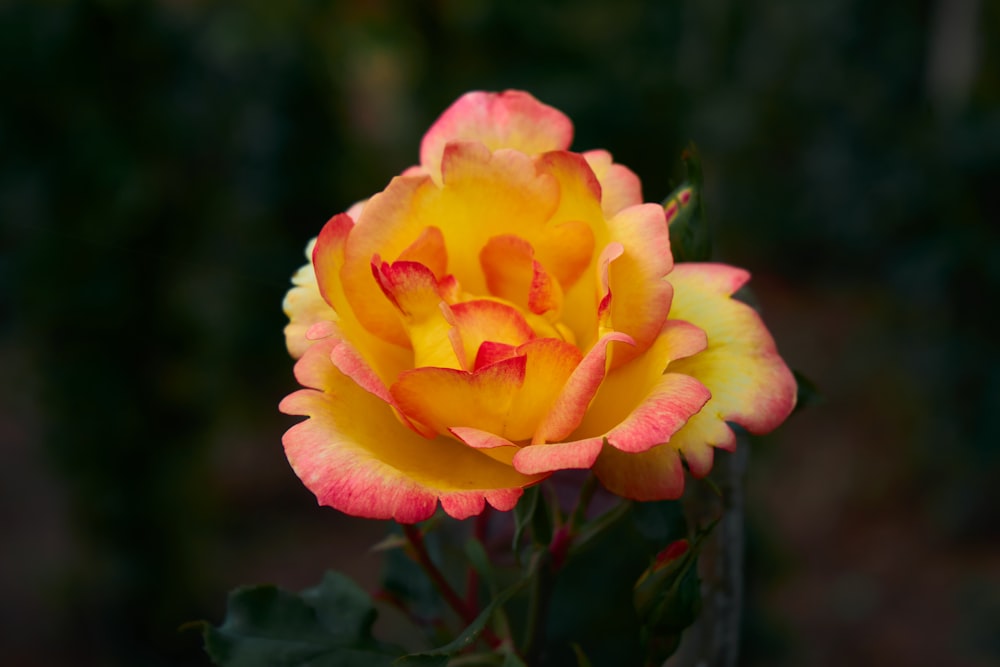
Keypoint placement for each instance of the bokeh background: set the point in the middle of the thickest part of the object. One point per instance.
(162, 164)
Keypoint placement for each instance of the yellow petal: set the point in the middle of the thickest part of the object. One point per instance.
(356, 457)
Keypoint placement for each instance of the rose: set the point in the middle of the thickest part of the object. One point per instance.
(507, 309)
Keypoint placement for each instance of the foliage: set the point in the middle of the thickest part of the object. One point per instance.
(604, 602)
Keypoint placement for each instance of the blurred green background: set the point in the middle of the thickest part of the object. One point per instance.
(162, 165)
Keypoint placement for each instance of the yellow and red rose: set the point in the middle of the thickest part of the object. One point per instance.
(507, 309)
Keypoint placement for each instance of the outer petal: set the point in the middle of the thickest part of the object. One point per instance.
(627, 387)
(620, 186)
(674, 400)
(356, 457)
(386, 359)
(576, 455)
(512, 119)
(304, 306)
(750, 383)
(653, 475)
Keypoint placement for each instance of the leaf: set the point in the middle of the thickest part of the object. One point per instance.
(690, 238)
(328, 625)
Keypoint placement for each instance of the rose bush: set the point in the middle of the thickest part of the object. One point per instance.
(507, 309)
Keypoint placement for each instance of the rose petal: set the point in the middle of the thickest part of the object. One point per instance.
(357, 458)
(630, 385)
(565, 249)
(750, 383)
(512, 273)
(550, 363)
(620, 187)
(441, 398)
(305, 307)
(512, 119)
(428, 249)
(575, 396)
(482, 321)
(386, 359)
(483, 195)
(544, 458)
(413, 289)
(656, 474)
(665, 410)
(580, 207)
(641, 298)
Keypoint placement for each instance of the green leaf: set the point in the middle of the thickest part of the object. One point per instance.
(325, 626)
(690, 238)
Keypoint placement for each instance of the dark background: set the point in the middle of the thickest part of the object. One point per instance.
(162, 165)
